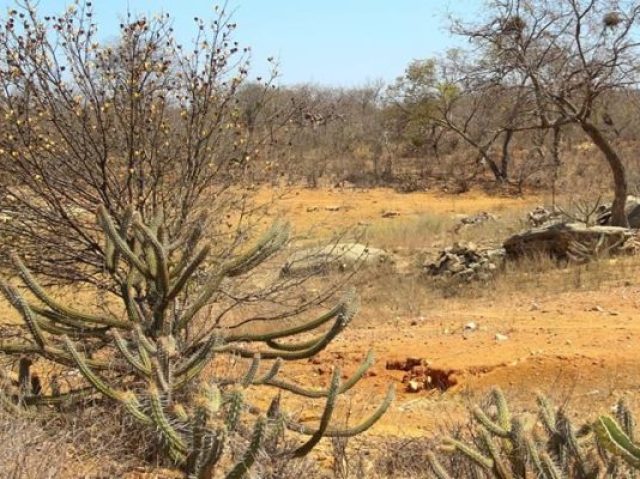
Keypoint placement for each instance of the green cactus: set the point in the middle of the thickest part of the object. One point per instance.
(506, 447)
(152, 360)
(615, 440)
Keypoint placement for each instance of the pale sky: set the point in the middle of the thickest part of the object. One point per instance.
(327, 42)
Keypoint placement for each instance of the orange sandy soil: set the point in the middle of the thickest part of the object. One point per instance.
(579, 345)
(307, 208)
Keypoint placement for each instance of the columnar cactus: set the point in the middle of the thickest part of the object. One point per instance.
(149, 360)
(505, 447)
(618, 439)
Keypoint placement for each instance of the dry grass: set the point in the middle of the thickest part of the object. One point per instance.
(94, 442)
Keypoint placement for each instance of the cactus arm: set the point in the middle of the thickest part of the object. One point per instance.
(500, 468)
(129, 302)
(212, 285)
(39, 292)
(250, 375)
(325, 419)
(144, 341)
(272, 373)
(347, 312)
(201, 355)
(187, 274)
(476, 456)
(89, 375)
(136, 364)
(119, 242)
(625, 418)
(190, 373)
(206, 446)
(271, 242)
(16, 300)
(240, 470)
(319, 393)
(614, 440)
(109, 255)
(213, 446)
(61, 398)
(493, 427)
(197, 438)
(188, 241)
(132, 405)
(78, 326)
(54, 329)
(546, 414)
(126, 223)
(231, 268)
(504, 416)
(339, 325)
(235, 404)
(208, 399)
(550, 468)
(346, 303)
(437, 468)
(172, 437)
(54, 354)
(353, 431)
(112, 254)
(162, 267)
(145, 359)
(566, 431)
(292, 347)
(534, 456)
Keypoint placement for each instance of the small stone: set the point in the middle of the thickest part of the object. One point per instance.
(501, 337)
(414, 386)
(470, 326)
(334, 208)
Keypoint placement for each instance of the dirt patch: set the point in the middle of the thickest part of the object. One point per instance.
(420, 376)
(572, 333)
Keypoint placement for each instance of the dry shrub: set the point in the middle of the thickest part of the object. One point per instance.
(406, 458)
(96, 442)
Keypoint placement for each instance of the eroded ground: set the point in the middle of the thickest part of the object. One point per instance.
(571, 333)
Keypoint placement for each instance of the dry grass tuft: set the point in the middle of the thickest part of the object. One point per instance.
(95, 442)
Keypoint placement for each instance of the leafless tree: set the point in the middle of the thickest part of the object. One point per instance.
(142, 121)
(567, 56)
(452, 95)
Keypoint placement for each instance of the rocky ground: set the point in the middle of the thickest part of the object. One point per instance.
(571, 331)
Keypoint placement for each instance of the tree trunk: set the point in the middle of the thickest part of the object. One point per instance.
(506, 157)
(488, 161)
(555, 155)
(618, 215)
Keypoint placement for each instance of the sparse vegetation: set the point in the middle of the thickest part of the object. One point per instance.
(187, 333)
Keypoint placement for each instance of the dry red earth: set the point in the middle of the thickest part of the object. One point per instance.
(571, 333)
